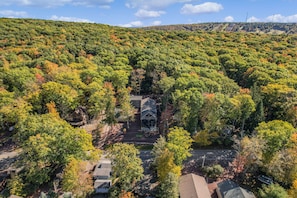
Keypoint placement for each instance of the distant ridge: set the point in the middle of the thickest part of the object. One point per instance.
(263, 28)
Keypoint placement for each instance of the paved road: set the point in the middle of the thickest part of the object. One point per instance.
(210, 155)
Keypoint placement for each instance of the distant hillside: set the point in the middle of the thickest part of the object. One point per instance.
(267, 28)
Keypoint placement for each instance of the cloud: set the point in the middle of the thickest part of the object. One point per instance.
(73, 19)
(55, 3)
(229, 19)
(13, 14)
(105, 6)
(132, 24)
(276, 18)
(282, 19)
(149, 4)
(148, 13)
(253, 19)
(88, 3)
(207, 7)
(51, 3)
(155, 23)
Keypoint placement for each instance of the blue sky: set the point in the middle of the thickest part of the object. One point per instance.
(137, 13)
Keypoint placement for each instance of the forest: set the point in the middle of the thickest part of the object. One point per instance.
(225, 89)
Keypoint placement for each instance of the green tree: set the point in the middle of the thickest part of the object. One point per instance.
(110, 104)
(243, 107)
(212, 113)
(18, 79)
(273, 191)
(64, 97)
(14, 112)
(158, 149)
(205, 138)
(47, 144)
(169, 187)
(279, 101)
(214, 171)
(137, 76)
(119, 79)
(97, 102)
(188, 102)
(126, 166)
(258, 115)
(179, 143)
(126, 109)
(277, 134)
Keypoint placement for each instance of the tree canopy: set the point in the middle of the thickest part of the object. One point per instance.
(214, 84)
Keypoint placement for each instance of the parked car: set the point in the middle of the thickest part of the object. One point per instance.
(265, 179)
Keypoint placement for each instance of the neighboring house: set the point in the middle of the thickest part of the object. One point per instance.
(148, 115)
(230, 189)
(102, 176)
(193, 186)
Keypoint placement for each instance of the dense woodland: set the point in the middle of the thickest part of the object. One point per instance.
(260, 28)
(220, 85)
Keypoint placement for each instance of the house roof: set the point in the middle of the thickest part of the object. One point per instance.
(137, 98)
(148, 115)
(193, 186)
(102, 183)
(148, 104)
(229, 189)
(103, 168)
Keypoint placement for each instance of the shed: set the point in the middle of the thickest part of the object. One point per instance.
(193, 186)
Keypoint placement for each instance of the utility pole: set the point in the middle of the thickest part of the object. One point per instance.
(203, 161)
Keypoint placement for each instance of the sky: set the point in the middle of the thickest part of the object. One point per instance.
(140, 13)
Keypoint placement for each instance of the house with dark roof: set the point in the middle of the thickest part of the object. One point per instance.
(230, 189)
(193, 186)
(102, 176)
(148, 115)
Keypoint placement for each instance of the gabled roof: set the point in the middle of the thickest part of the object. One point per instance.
(148, 104)
(148, 115)
(193, 186)
(229, 189)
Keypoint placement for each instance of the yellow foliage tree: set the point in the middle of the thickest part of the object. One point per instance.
(76, 178)
(51, 106)
(293, 189)
(125, 194)
(203, 138)
(165, 164)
